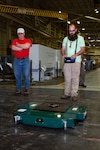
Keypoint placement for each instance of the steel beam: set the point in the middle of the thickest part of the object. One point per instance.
(34, 12)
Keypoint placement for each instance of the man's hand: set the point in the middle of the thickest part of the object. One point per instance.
(16, 48)
(74, 56)
(63, 57)
(17, 44)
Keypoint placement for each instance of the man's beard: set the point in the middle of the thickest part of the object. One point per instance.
(72, 37)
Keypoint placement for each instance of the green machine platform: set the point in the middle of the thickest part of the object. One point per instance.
(51, 115)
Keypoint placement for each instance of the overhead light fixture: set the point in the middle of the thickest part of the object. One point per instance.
(89, 37)
(78, 22)
(59, 11)
(68, 22)
(96, 11)
(83, 29)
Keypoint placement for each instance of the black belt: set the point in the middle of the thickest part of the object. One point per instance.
(22, 58)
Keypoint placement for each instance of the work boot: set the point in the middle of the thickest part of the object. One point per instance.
(65, 97)
(26, 92)
(18, 92)
(83, 85)
(74, 98)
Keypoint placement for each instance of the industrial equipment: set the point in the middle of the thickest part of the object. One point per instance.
(50, 114)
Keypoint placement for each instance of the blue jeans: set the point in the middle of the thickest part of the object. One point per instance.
(22, 69)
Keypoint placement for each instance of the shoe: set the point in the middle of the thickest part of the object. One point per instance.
(26, 92)
(83, 85)
(18, 92)
(74, 98)
(65, 97)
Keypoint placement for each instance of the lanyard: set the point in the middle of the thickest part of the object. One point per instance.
(75, 46)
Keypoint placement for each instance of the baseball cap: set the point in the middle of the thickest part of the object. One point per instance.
(20, 30)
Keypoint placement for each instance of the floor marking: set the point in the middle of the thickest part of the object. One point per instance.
(61, 86)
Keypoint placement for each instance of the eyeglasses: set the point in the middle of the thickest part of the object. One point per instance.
(71, 30)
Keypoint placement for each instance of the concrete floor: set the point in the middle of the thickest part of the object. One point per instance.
(85, 136)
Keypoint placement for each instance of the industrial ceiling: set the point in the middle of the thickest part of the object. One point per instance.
(84, 13)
